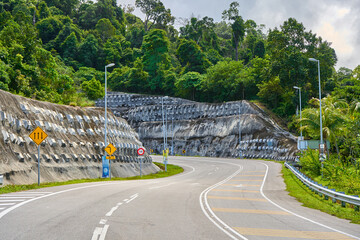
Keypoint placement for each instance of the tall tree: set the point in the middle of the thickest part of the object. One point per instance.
(237, 25)
(156, 58)
(155, 13)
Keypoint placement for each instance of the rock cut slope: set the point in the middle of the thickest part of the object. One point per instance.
(204, 129)
(74, 145)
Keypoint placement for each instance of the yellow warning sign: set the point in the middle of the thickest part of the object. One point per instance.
(110, 149)
(38, 135)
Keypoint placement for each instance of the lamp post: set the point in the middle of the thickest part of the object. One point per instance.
(321, 133)
(109, 65)
(299, 88)
(164, 130)
(240, 151)
(172, 131)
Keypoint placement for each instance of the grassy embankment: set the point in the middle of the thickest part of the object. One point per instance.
(309, 199)
(171, 170)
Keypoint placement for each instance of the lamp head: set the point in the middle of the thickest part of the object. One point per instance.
(297, 87)
(110, 65)
(313, 60)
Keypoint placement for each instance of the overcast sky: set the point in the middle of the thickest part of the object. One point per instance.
(337, 21)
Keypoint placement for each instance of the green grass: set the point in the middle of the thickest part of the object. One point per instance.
(171, 170)
(311, 200)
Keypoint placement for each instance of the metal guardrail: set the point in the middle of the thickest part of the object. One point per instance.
(334, 195)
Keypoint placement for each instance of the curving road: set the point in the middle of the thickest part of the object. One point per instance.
(213, 199)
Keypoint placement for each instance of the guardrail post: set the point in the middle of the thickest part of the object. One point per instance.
(343, 204)
(356, 207)
(326, 197)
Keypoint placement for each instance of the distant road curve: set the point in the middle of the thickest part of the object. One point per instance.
(214, 198)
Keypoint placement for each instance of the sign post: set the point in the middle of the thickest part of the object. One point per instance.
(165, 157)
(141, 152)
(38, 135)
(110, 149)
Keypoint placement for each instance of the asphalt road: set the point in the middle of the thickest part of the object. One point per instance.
(213, 199)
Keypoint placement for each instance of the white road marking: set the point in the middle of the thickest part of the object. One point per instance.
(162, 186)
(297, 215)
(3, 213)
(100, 233)
(1, 208)
(9, 197)
(6, 204)
(111, 211)
(96, 233)
(210, 173)
(12, 200)
(103, 232)
(135, 196)
(103, 221)
(203, 199)
(125, 200)
(239, 186)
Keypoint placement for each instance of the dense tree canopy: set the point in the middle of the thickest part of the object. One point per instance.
(43, 43)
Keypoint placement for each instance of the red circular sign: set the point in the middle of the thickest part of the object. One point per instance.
(141, 151)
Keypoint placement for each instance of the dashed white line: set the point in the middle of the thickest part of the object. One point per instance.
(162, 186)
(103, 221)
(103, 232)
(112, 211)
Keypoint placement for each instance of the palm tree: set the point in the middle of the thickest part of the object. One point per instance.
(333, 117)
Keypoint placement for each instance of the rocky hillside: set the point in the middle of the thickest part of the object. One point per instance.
(74, 145)
(204, 129)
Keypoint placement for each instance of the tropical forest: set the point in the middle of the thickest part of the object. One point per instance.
(56, 51)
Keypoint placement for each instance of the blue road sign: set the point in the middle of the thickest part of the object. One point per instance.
(105, 165)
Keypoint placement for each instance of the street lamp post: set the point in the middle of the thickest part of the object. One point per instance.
(240, 151)
(109, 65)
(172, 131)
(321, 133)
(299, 88)
(164, 130)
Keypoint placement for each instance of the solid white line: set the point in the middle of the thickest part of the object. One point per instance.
(103, 233)
(120, 203)
(203, 197)
(297, 215)
(96, 233)
(12, 200)
(111, 211)
(8, 197)
(125, 200)
(7, 204)
(25, 193)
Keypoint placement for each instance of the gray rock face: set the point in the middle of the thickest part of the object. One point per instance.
(74, 145)
(204, 129)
